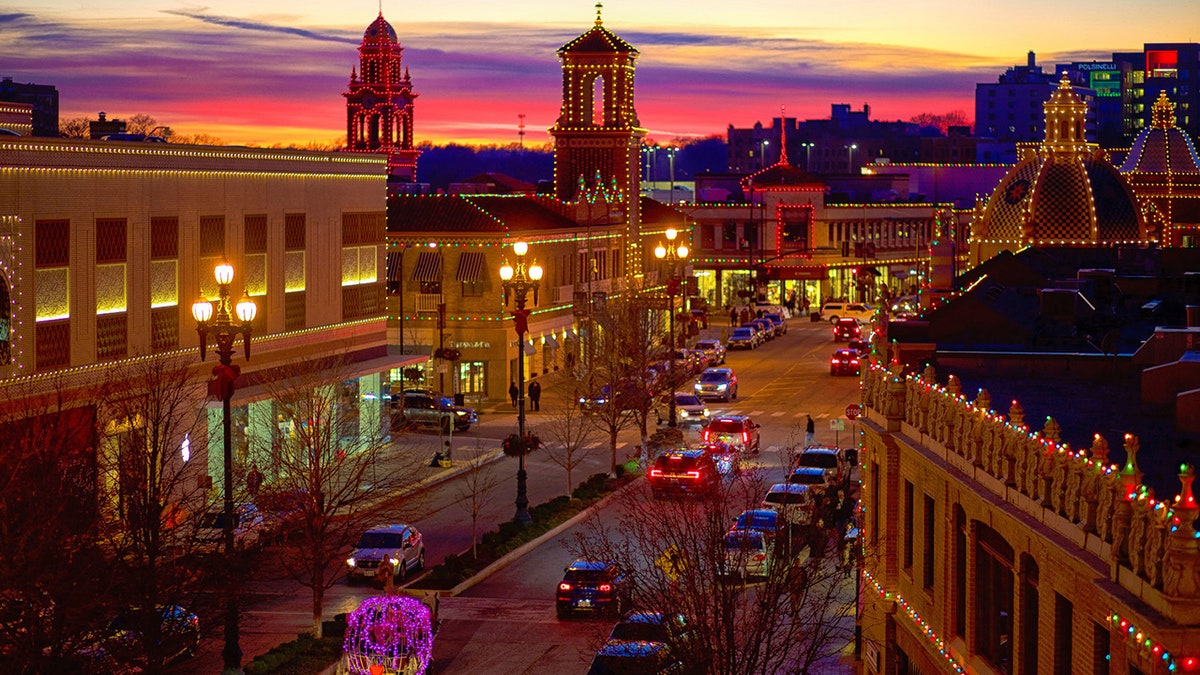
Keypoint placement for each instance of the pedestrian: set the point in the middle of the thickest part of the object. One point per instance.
(810, 431)
(535, 396)
(431, 600)
(385, 575)
(733, 316)
(254, 481)
(513, 392)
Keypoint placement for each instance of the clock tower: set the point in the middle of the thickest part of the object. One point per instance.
(379, 103)
(597, 132)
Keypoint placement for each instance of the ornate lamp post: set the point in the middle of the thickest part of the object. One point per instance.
(220, 323)
(673, 256)
(518, 282)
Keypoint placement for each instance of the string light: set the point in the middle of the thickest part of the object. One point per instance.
(389, 631)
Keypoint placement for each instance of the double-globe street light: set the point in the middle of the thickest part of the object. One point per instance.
(673, 256)
(219, 322)
(517, 283)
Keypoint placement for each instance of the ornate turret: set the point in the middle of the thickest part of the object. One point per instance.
(379, 102)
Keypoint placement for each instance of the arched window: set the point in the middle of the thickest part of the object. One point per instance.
(993, 597)
(598, 101)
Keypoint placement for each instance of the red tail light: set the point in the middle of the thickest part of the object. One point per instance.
(760, 557)
(656, 473)
(693, 475)
(745, 436)
(564, 587)
(605, 588)
(854, 362)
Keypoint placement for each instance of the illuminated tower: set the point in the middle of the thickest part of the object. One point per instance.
(379, 103)
(597, 129)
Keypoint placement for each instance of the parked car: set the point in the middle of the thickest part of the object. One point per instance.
(780, 324)
(592, 587)
(681, 472)
(690, 410)
(760, 336)
(829, 460)
(844, 362)
(743, 338)
(633, 646)
(768, 328)
(747, 554)
(248, 528)
(713, 350)
(814, 477)
(861, 347)
(793, 502)
(124, 639)
(859, 311)
(739, 431)
(718, 383)
(401, 544)
(430, 409)
(764, 520)
(688, 361)
(846, 329)
(727, 458)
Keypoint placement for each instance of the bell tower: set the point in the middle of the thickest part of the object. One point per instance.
(597, 130)
(379, 103)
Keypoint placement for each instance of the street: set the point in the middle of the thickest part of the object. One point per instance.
(506, 624)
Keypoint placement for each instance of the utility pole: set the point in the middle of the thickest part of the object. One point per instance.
(521, 129)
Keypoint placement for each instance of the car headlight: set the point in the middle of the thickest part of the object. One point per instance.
(350, 562)
(394, 561)
(721, 387)
(460, 413)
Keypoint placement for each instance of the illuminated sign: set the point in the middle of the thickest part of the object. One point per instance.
(1097, 66)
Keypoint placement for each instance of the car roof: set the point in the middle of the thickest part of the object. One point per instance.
(683, 453)
(808, 470)
(845, 352)
(759, 514)
(646, 616)
(731, 418)
(793, 488)
(820, 450)
(397, 527)
(630, 648)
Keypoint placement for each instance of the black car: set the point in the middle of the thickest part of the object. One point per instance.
(844, 362)
(846, 329)
(179, 634)
(592, 587)
(684, 472)
(636, 657)
(430, 409)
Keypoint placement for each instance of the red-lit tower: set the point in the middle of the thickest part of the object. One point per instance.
(597, 131)
(379, 103)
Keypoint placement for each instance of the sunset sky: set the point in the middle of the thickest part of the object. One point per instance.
(272, 71)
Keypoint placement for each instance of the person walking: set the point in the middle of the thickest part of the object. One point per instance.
(733, 316)
(810, 431)
(535, 396)
(513, 392)
(254, 479)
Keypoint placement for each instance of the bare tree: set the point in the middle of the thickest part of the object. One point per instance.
(476, 488)
(797, 615)
(327, 458)
(569, 438)
(74, 127)
(141, 123)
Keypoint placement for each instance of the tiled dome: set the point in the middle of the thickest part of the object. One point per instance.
(380, 31)
(1063, 191)
(1163, 147)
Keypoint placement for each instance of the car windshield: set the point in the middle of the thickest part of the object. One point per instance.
(639, 630)
(379, 540)
(687, 399)
(742, 332)
(808, 478)
(578, 575)
(755, 521)
(725, 426)
(736, 541)
(785, 498)
(822, 460)
(713, 377)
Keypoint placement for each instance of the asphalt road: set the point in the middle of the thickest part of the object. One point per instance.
(506, 624)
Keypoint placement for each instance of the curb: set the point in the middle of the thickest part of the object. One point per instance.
(520, 551)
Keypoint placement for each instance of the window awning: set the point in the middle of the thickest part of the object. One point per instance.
(552, 341)
(429, 266)
(570, 334)
(530, 350)
(470, 266)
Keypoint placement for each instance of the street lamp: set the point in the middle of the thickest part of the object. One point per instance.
(672, 255)
(220, 323)
(808, 155)
(850, 157)
(518, 282)
(762, 153)
(671, 156)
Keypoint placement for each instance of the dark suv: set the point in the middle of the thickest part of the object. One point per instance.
(738, 431)
(683, 472)
(430, 409)
(592, 586)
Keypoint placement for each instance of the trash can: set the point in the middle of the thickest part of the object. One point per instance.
(460, 399)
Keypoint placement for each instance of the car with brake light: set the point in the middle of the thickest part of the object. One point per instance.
(846, 329)
(844, 362)
(739, 431)
(680, 472)
(860, 347)
(592, 587)
(400, 544)
(718, 383)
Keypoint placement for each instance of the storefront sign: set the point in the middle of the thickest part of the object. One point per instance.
(471, 345)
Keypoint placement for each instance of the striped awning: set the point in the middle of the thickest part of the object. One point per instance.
(470, 266)
(429, 266)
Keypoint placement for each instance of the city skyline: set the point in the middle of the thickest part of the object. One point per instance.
(275, 73)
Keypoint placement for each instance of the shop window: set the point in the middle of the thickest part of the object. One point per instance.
(993, 596)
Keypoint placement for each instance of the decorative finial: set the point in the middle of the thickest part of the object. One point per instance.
(1051, 430)
(983, 401)
(1100, 450)
(1186, 499)
(1016, 414)
(1162, 113)
(1132, 446)
(599, 21)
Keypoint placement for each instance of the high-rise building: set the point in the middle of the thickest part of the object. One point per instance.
(43, 98)
(1173, 68)
(1009, 111)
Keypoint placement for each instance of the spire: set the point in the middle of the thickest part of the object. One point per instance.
(599, 7)
(1162, 113)
(783, 135)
